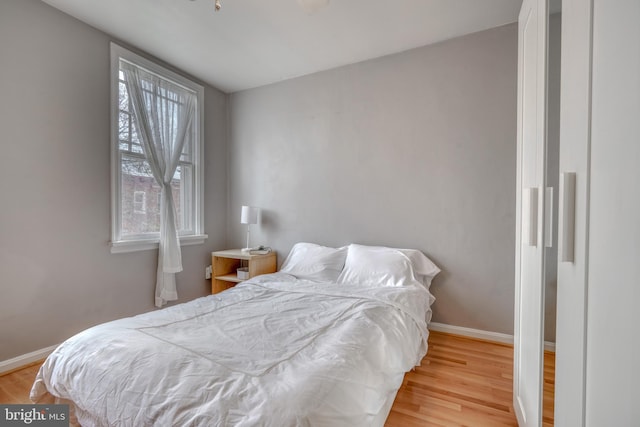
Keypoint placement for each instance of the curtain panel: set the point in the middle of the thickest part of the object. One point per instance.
(164, 113)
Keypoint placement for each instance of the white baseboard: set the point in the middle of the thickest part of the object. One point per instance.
(25, 359)
(480, 334)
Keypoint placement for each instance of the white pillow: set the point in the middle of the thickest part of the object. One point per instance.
(314, 262)
(377, 266)
(424, 269)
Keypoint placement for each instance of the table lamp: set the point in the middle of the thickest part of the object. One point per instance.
(249, 215)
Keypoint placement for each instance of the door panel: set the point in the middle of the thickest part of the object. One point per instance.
(575, 134)
(529, 308)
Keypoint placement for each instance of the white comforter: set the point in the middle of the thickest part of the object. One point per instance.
(273, 351)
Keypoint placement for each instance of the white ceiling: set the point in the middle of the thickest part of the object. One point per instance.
(251, 43)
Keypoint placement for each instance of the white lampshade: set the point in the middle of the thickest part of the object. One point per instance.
(249, 215)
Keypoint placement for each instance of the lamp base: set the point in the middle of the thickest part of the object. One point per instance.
(247, 250)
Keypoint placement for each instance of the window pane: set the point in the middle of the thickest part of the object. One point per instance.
(136, 148)
(139, 202)
(138, 189)
(123, 126)
(186, 155)
(123, 102)
(135, 140)
(186, 197)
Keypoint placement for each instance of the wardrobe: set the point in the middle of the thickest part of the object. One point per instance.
(598, 222)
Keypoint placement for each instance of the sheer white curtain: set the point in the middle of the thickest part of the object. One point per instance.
(163, 114)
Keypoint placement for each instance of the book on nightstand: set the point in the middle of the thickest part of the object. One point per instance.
(260, 250)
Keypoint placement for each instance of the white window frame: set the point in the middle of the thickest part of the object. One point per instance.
(138, 243)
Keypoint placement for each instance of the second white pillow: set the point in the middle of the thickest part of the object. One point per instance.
(377, 266)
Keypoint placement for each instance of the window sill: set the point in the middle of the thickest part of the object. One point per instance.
(123, 246)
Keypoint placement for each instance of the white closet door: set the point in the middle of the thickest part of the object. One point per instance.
(529, 308)
(575, 134)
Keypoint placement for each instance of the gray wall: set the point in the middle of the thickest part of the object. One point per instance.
(410, 150)
(57, 275)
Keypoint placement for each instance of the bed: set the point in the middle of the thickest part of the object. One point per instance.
(324, 342)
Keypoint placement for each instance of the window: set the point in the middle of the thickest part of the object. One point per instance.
(135, 222)
(139, 202)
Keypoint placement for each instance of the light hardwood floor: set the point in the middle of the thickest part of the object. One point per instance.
(16, 385)
(462, 382)
(549, 388)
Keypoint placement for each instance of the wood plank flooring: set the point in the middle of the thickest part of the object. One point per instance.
(462, 382)
(16, 385)
(549, 388)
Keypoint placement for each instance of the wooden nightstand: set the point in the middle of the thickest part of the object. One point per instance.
(225, 264)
